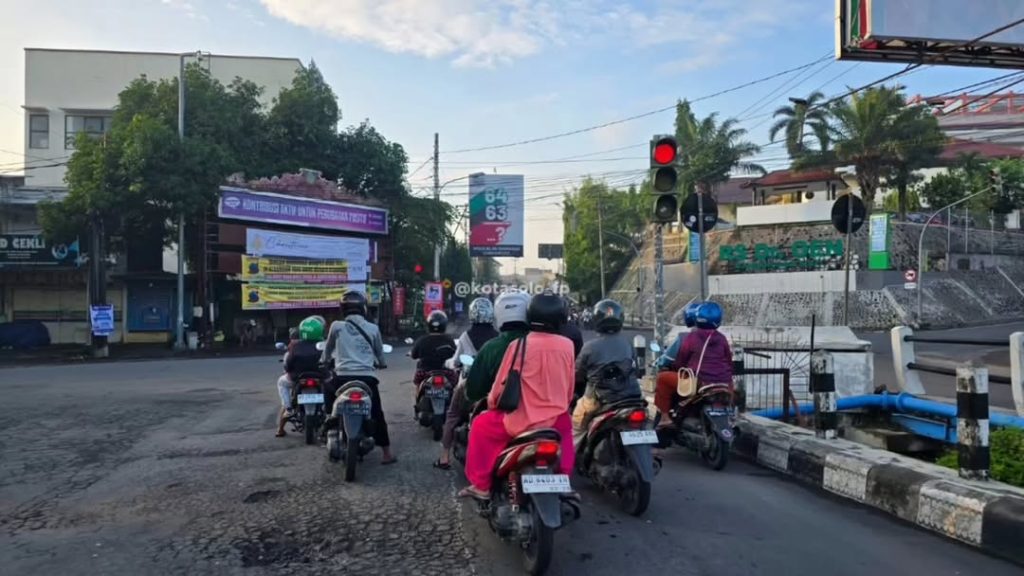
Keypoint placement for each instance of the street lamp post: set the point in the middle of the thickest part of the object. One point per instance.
(179, 328)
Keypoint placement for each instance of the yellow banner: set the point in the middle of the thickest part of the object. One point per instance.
(288, 296)
(294, 271)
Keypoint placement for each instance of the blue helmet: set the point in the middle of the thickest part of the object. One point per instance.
(690, 314)
(709, 315)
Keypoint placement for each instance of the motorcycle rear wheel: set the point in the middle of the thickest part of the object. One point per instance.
(538, 551)
(351, 459)
(310, 425)
(437, 424)
(635, 499)
(717, 454)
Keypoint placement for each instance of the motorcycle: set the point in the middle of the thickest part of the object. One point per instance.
(616, 454)
(348, 430)
(308, 399)
(529, 499)
(433, 396)
(704, 422)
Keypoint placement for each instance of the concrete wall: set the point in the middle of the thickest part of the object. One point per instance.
(83, 82)
(787, 282)
(813, 211)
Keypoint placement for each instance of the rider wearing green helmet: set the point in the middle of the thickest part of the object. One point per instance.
(302, 356)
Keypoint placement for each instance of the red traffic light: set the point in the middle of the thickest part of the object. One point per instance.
(418, 269)
(665, 151)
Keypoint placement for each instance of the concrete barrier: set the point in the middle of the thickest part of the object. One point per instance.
(986, 515)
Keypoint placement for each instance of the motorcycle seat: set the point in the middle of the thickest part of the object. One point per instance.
(637, 402)
(535, 435)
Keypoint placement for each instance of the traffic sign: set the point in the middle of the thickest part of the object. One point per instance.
(690, 210)
(910, 285)
(910, 275)
(841, 207)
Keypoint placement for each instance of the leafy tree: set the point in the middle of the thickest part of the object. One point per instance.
(943, 189)
(796, 120)
(711, 150)
(367, 164)
(302, 126)
(623, 213)
(918, 143)
(891, 202)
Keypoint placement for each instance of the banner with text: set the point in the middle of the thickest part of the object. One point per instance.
(294, 271)
(291, 296)
(35, 250)
(242, 204)
(496, 215)
(354, 251)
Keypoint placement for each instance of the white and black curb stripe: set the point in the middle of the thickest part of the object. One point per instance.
(988, 515)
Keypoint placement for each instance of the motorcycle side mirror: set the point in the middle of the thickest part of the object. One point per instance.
(466, 360)
(321, 346)
(655, 348)
(388, 349)
(280, 346)
(408, 340)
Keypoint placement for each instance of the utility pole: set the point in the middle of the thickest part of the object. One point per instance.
(437, 198)
(659, 286)
(847, 249)
(700, 228)
(179, 326)
(600, 242)
(97, 280)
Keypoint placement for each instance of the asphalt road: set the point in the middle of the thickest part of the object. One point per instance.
(171, 467)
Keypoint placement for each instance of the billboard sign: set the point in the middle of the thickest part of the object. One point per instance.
(931, 31)
(33, 250)
(878, 242)
(354, 251)
(496, 215)
(242, 204)
(292, 296)
(550, 251)
(294, 271)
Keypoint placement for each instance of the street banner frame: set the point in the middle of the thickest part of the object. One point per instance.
(256, 296)
(294, 271)
(243, 204)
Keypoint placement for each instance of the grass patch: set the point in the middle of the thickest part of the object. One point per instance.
(1007, 451)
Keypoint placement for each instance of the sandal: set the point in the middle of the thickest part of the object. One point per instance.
(472, 492)
(280, 434)
(442, 465)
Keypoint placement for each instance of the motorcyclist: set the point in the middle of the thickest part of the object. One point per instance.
(433, 349)
(357, 349)
(481, 314)
(572, 332)
(690, 319)
(510, 315)
(705, 351)
(605, 368)
(302, 356)
(546, 376)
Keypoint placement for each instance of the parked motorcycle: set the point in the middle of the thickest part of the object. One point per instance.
(704, 422)
(433, 396)
(529, 499)
(616, 454)
(349, 436)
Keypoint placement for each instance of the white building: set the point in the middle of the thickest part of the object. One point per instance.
(72, 91)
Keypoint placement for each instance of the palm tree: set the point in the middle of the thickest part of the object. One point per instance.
(711, 150)
(918, 143)
(795, 121)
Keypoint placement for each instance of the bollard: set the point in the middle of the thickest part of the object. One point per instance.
(738, 379)
(1017, 371)
(902, 355)
(823, 386)
(972, 421)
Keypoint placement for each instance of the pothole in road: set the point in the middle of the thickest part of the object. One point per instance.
(261, 496)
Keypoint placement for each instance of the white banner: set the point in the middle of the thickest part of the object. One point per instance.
(356, 251)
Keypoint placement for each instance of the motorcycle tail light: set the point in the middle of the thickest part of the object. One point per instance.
(355, 396)
(547, 451)
(637, 417)
(438, 381)
(310, 383)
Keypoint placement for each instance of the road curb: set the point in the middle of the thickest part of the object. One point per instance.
(986, 515)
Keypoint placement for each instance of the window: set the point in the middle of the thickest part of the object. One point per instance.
(39, 131)
(94, 126)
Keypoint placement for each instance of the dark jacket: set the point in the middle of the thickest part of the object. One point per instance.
(432, 350)
(606, 369)
(716, 367)
(573, 333)
(486, 364)
(302, 357)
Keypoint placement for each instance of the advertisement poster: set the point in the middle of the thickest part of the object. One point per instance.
(878, 242)
(354, 251)
(34, 250)
(694, 247)
(398, 303)
(291, 296)
(433, 297)
(294, 271)
(242, 204)
(496, 215)
(102, 320)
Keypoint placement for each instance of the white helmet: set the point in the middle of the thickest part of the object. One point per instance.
(511, 307)
(481, 311)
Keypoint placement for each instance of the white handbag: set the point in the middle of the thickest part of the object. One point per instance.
(687, 385)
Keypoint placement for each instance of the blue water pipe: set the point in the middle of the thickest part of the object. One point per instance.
(899, 403)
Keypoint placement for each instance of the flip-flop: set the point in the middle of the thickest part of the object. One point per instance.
(280, 434)
(442, 465)
(470, 492)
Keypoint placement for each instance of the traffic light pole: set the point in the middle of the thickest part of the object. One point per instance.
(703, 260)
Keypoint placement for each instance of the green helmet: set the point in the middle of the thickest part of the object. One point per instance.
(311, 329)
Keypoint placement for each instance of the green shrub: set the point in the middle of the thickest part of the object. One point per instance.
(1007, 449)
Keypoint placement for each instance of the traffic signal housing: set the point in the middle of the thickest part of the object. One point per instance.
(664, 178)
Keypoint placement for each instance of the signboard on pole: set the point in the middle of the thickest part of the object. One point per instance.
(550, 251)
(101, 318)
(694, 247)
(433, 297)
(398, 301)
(33, 250)
(496, 206)
(878, 243)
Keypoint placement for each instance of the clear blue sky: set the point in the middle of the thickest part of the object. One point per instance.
(489, 72)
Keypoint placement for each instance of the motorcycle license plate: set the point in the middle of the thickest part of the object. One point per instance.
(545, 483)
(357, 408)
(718, 412)
(437, 392)
(632, 437)
(311, 398)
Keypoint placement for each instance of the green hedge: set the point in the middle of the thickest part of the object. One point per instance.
(1007, 448)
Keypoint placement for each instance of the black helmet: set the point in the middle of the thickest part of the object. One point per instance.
(437, 322)
(353, 302)
(546, 313)
(608, 316)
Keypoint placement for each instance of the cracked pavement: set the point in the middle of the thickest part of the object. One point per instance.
(171, 467)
